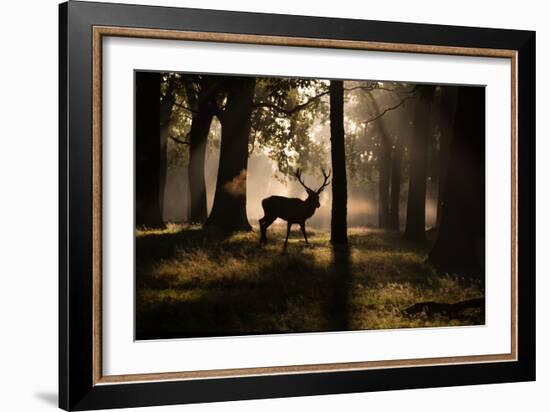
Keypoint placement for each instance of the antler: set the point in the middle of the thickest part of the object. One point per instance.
(298, 175)
(325, 182)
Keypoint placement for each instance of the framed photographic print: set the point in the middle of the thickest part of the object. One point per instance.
(257, 205)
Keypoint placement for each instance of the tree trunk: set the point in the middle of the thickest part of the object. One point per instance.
(459, 247)
(149, 151)
(166, 105)
(395, 185)
(415, 229)
(229, 208)
(338, 227)
(384, 170)
(198, 140)
(447, 108)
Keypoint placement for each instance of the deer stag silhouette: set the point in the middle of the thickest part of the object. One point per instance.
(292, 210)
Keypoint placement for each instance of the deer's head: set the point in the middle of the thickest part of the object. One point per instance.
(313, 195)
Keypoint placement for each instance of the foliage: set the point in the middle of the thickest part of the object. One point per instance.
(286, 112)
(184, 89)
(366, 101)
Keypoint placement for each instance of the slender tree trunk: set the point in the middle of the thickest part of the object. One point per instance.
(229, 208)
(384, 170)
(166, 105)
(149, 151)
(415, 229)
(338, 228)
(459, 247)
(395, 184)
(447, 108)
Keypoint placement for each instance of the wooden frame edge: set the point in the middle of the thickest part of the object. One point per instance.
(98, 32)
(165, 34)
(514, 218)
(297, 369)
(97, 199)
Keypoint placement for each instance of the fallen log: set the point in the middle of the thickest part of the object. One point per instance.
(452, 310)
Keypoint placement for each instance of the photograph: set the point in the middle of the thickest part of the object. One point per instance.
(270, 205)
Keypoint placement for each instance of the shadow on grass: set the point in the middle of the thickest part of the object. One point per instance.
(287, 295)
(155, 246)
(339, 309)
(249, 289)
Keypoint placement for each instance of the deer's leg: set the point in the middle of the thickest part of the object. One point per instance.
(303, 227)
(263, 226)
(262, 231)
(288, 226)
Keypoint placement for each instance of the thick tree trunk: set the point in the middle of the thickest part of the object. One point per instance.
(395, 185)
(338, 227)
(447, 108)
(459, 247)
(149, 151)
(415, 229)
(229, 208)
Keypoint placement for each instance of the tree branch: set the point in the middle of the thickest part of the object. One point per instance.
(179, 140)
(389, 109)
(454, 310)
(367, 89)
(182, 106)
(290, 112)
(364, 88)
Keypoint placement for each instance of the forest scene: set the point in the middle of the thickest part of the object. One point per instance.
(268, 205)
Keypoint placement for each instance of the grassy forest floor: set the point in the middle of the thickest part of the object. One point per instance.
(194, 282)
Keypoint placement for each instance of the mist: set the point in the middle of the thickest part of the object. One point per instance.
(263, 181)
